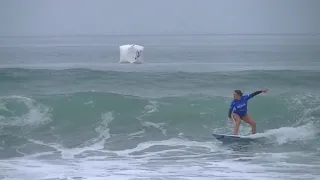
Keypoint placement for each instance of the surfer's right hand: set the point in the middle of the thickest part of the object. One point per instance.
(265, 90)
(230, 120)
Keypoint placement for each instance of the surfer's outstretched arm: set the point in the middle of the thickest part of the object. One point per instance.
(256, 93)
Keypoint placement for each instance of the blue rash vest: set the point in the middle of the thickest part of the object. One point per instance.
(240, 106)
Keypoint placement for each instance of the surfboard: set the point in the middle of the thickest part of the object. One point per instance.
(232, 138)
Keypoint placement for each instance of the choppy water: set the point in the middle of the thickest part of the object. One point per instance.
(68, 110)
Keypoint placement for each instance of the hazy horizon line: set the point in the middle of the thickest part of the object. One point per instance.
(169, 34)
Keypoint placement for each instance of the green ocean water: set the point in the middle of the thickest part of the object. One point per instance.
(69, 110)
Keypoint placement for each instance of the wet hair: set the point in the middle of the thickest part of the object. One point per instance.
(237, 91)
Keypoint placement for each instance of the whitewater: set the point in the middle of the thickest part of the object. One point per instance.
(70, 111)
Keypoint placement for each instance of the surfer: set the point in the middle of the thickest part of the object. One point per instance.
(238, 109)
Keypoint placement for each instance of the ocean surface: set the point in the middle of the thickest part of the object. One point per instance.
(70, 111)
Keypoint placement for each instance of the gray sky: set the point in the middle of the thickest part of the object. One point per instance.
(65, 17)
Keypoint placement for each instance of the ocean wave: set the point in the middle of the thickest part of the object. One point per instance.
(84, 119)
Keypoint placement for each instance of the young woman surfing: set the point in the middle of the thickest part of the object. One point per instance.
(238, 109)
